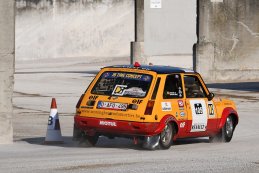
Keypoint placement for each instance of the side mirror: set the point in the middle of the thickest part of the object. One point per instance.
(211, 96)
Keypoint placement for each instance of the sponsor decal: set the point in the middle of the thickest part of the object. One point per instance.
(133, 76)
(103, 113)
(199, 115)
(211, 109)
(119, 90)
(137, 101)
(180, 104)
(171, 93)
(166, 106)
(93, 97)
(198, 127)
(107, 123)
(198, 108)
(182, 114)
(135, 91)
(180, 92)
(182, 125)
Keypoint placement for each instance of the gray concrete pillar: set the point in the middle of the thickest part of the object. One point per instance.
(204, 49)
(7, 42)
(137, 47)
(203, 20)
(205, 60)
(139, 20)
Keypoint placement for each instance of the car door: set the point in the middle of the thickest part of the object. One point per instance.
(196, 104)
(173, 100)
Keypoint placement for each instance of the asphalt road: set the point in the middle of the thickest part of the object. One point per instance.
(33, 93)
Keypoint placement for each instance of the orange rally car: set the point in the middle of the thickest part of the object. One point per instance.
(154, 105)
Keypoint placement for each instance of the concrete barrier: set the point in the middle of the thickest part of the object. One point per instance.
(6, 69)
(228, 44)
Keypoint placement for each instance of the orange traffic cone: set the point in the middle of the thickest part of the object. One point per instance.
(53, 135)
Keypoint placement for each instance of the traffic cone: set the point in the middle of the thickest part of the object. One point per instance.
(53, 135)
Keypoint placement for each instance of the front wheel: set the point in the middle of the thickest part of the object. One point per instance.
(228, 129)
(226, 132)
(166, 136)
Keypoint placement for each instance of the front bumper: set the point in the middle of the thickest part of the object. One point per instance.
(116, 127)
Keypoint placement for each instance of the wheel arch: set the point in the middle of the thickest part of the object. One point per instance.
(229, 111)
(175, 126)
(167, 119)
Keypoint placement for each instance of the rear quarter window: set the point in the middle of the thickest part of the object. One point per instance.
(123, 84)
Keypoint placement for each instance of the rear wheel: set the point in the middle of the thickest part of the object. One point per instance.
(77, 133)
(89, 141)
(166, 136)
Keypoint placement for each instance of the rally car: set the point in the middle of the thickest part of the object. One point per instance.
(153, 105)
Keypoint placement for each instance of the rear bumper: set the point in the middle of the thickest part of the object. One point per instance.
(115, 127)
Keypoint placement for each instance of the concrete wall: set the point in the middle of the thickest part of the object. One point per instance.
(170, 32)
(95, 29)
(228, 46)
(6, 69)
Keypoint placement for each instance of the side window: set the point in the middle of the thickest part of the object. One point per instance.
(173, 87)
(156, 88)
(193, 87)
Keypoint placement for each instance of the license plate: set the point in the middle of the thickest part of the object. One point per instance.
(112, 106)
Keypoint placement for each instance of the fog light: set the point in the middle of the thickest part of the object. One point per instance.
(90, 103)
(133, 106)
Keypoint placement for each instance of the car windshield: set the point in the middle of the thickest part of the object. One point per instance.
(123, 84)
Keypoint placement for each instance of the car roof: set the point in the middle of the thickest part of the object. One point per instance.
(160, 69)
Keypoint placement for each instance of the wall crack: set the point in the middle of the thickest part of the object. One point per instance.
(255, 34)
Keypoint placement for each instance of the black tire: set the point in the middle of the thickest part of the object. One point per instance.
(228, 129)
(77, 133)
(166, 136)
(89, 141)
(226, 132)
